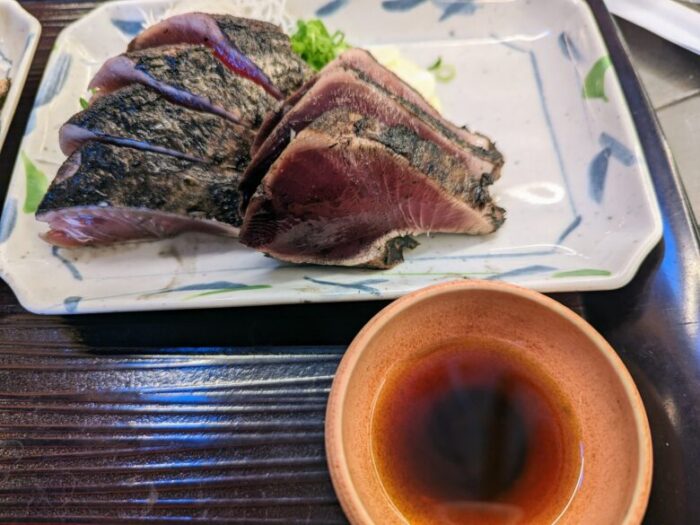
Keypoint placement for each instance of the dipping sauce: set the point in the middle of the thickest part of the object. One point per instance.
(473, 433)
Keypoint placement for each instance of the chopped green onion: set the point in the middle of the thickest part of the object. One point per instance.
(446, 73)
(442, 72)
(313, 43)
(436, 65)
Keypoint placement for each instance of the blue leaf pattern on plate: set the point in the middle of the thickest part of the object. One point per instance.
(71, 303)
(449, 7)
(9, 219)
(455, 7)
(130, 28)
(51, 85)
(526, 270)
(567, 46)
(54, 81)
(6, 62)
(597, 174)
(331, 7)
(618, 150)
(55, 251)
(362, 286)
(400, 5)
(27, 41)
(569, 229)
(598, 170)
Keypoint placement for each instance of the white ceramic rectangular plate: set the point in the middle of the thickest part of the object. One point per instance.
(19, 36)
(532, 74)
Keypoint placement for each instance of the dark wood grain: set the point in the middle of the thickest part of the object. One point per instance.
(129, 418)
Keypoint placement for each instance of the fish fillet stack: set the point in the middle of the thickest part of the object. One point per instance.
(211, 123)
(165, 140)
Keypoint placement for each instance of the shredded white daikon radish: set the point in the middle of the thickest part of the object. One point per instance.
(415, 76)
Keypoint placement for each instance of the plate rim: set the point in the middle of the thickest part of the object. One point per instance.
(8, 110)
(633, 98)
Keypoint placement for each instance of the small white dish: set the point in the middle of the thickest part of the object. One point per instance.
(19, 37)
(534, 75)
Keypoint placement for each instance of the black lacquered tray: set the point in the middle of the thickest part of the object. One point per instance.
(217, 416)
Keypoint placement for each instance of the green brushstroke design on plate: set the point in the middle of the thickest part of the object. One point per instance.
(466, 275)
(227, 290)
(594, 85)
(584, 272)
(37, 183)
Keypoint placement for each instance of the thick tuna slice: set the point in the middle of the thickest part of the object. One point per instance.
(138, 117)
(367, 68)
(344, 89)
(257, 50)
(104, 194)
(188, 75)
(350, 190)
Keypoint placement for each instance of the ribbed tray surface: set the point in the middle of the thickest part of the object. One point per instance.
(224, 436)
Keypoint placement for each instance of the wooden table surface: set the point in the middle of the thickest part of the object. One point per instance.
(217, 416)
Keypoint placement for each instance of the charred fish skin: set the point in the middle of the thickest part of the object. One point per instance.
(253, 49)
(138, 117)
(430, 159)
(341, 88)
(100, 180)
(350, 191)
(196, 70)
(365, 67)
(485, 149)
(189, 75)
(269, 48)
(426, 157)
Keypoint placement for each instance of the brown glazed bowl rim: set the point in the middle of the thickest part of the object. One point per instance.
(347, 494)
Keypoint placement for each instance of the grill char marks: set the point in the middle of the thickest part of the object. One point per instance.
(104, 194)
(345, 171)
(341, 88)
(256, 50)
(360, 61)
(138, 117)
(187, 75)
(269, 48)
(366, 67)
(349, 190)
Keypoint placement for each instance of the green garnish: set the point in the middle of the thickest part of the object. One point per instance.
(442, 72)
(37, 183)
(594, 84)
(436, 65)
(84, 103)
(313, 43)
